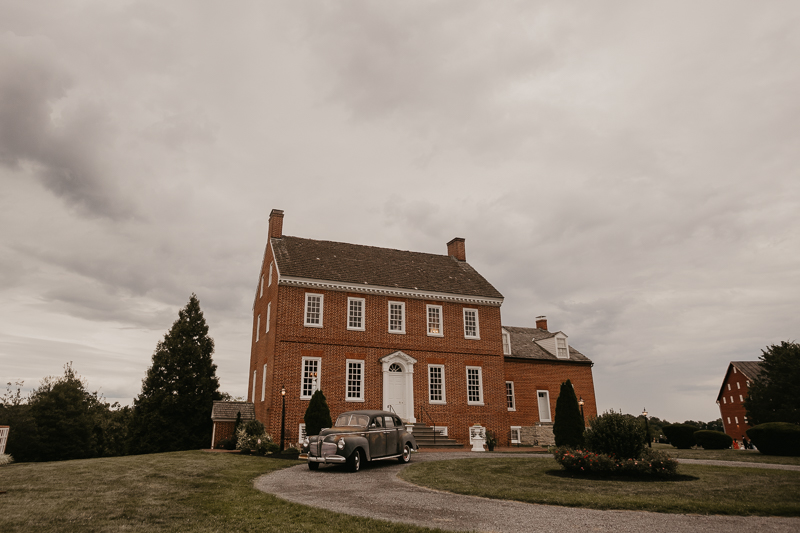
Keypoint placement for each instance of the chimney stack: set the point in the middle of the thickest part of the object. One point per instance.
(541, 322)
(456, 248)
(276, 224)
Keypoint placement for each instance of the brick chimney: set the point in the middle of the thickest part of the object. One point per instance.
(541, 322)
(455, 248)
(276, 224)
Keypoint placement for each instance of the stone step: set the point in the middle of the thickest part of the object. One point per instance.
(424, 435)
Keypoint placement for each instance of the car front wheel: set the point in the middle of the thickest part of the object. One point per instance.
(312, 465)
(406, 457)
(354, 461)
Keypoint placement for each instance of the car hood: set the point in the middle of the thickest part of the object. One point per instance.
(342, 430)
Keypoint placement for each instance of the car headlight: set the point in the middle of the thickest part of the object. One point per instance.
(305, 442)
(340, 444)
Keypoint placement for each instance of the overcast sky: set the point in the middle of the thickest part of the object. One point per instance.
(629, 169)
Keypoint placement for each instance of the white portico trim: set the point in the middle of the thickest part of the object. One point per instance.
(398, 384)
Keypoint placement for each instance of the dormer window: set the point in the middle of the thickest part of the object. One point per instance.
(506, 343)
(434, 320)
(562, 350)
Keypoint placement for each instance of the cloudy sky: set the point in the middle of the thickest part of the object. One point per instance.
(629, 169)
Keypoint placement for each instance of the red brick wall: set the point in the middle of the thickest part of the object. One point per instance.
(222, 430)
(732, 408)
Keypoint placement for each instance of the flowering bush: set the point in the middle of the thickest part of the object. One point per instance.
(251, 436)
(652, 463)
(5, 459)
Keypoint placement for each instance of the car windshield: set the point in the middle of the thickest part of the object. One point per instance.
(348, 419)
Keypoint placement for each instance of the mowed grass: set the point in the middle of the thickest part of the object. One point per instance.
(746, 456)
(182, 491)
(699, 489)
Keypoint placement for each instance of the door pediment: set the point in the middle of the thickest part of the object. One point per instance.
(403, 359)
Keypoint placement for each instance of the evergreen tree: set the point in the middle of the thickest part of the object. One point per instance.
(173, 411)
(773, 395)
(569, 426)
(317, 416)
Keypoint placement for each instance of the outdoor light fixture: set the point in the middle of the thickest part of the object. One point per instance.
(581, 402)
(283, 414)
(647, 428)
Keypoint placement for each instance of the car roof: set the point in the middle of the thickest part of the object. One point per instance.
(368, 412)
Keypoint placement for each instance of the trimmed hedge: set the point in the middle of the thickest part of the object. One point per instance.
(713, 440)
(617, 435)
(680, 435)
(653, 463)
(776, 438)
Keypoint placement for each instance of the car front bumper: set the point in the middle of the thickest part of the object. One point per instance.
(334, 459)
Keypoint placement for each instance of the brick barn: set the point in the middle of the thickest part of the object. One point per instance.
(416, 333)
(732, 394)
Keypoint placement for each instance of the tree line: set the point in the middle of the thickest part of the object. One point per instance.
(62, 419)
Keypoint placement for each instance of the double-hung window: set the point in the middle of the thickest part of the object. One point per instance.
(471, 327)
(355, 314)
(436, 392)
(397, 317)
(561, 345)
(474, 385)
(261, 292)
(313, 310)
(264, 384)
(506, 343)
(311, 377)
(269, 312)
(435, 320)
(510, 396)
(258, 327)
(355, 380)
(253, 396)
(269, 282)
(515, 434)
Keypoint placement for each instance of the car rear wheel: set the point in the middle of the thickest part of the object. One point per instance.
(312, 465)
(406, 457)
(354, 461)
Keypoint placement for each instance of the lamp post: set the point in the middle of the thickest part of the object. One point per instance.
(647, 428)
(581, 402)
(283, 414)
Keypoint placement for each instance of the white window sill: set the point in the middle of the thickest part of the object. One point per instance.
(355, 329)
(437, 402)
(354, 399)
(512, 408)
(472, 338)
(474, 403)
(435, 334)
(313, 325)
(397, 332)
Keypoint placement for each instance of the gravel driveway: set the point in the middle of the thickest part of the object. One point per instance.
(379, 493)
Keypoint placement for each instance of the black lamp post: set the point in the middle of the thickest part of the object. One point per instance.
(647, 428)
(283, 414)
(581, 402)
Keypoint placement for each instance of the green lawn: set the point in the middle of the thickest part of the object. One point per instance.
(747, 456)
(700, 489)
(182, 491)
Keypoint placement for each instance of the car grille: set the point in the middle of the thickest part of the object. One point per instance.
(328, 448)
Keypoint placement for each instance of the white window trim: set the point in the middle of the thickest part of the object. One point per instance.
(549, 411)
(506, 343)
(736, 419)
(566, 347)
(264, 383)
(480, 385)
(258, 327)
(269, 312)
(261, 292)
(269, 283)
(321, 310)
(738, 385)
(347, 398)
(518, 440)
(477, 324)
(731, 399)
(363, 313)
(724, 400)
(513, 397)
(428, 323)
(443, 401)
(729, 420)
(741, 398)
(253, 396)
(303, 372)
(401, 331)
(729, 386)
(301, 433)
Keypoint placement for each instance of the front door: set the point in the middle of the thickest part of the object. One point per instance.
(394, 395)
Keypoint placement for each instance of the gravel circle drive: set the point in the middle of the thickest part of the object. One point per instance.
(377, 492)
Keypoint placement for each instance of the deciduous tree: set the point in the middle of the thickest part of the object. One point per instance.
(774, 396)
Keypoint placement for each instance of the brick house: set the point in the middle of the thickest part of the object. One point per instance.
(732, 394)
(223, 417)
(416, 333)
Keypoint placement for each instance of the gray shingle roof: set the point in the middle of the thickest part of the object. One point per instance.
(523, 346)
(382, 267)
(222, 410)
(750, 369)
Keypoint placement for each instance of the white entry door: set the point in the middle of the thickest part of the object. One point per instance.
(394, 394)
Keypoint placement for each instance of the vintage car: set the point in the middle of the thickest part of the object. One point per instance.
(359, 436)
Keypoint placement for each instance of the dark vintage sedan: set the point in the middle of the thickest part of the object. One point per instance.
(359, 436)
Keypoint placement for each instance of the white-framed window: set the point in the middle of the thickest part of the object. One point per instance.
(434, 313)
(397, 317)
(471, 326)
(269, 312)
(253, 396)
(269, 282)
(734, 370)
(741, 398)
(515, 434)
(736, 419)
(264, 383)
(355, 380)
(258, 327)
(731, 399)
(729, 420)
(544, 405)
(561, 348)
(506, 343)
(261, 292)
(474, 385)
(313, 313)
(355, 314)
(724, 400)
(738, 385)
(436, 393)
(301, 433)
(729, 386)
(311, 377)
(510, 404)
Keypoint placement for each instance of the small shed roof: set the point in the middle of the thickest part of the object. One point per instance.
(222, 411)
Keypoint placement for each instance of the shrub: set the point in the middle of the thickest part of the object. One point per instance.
(680, 435)
(5, 459)
(251, 436)
(318, 415)
(654, 463)
(569, 426)
(227, 444)
(712, 440)
(776, 438)
(620, 436)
